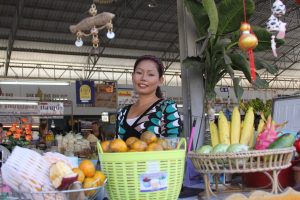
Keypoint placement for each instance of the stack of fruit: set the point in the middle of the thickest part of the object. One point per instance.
(237, 135)
(147, 142)
(63, 177)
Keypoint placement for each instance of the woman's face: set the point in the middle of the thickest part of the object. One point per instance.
(145, 78)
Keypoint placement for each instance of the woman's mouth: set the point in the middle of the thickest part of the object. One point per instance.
(142, 85)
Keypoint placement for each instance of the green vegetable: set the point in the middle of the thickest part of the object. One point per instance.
(237, 148)
(204, 149)
(284, 141)
(220, 148)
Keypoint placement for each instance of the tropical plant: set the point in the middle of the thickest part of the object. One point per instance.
(217, 23)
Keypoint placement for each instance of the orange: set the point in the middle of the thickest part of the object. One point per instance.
(105, 145)
(118, 145)
(164, 143)
(131, 140)
(154, 147)
(139, 145)
(88, 168)
(89, 183)
(80, 174)
(148, 137)
(99, 177)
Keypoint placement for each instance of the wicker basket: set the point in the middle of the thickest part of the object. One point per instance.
(130, 174)
(242, 162)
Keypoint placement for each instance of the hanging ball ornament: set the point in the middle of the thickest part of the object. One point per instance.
(247, 40)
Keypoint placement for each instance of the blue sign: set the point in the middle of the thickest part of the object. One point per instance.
(85, 92)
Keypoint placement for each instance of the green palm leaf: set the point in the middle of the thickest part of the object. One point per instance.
(261, 64)
(199, 15)
(231, 14)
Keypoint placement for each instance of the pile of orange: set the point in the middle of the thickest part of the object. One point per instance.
(89, 177)
(147, 142)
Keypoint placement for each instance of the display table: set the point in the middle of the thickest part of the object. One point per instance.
(243, 162)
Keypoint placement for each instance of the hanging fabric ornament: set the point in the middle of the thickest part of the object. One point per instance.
(274, 25)
(247, 42)
(273, 46)
(278, 8)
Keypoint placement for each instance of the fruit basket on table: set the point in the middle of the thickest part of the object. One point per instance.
(30, 177)
(243, 162)
(130, 174)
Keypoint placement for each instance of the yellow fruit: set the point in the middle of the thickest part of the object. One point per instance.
(105, 145)
(88, 168)
(214, 135)
(131, 140)
(132, 150)
(148, 137)
(247, 131)
(164, 143)
(99, 177)
(154, 147)
(235, 131)
(89, 183)
(139, 145)
(80, 174)
(223, 128)
(118, 145)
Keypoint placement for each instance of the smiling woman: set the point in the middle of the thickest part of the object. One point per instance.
(151, 112)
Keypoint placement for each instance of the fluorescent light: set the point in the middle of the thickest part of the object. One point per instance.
(33, 83)
(179, 105)
(19, 103)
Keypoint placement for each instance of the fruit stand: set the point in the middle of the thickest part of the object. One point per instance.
(243, 162)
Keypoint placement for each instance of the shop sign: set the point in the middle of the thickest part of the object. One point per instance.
(17, 109)
(106, 95)
(51, 108)
(85, 92)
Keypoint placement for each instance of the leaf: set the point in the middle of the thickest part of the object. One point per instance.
(199, 15)
(264, 39)
(231, 14)
(238, 90)
(260, 83)
(212, 12)
(240, 63)
(262, 64)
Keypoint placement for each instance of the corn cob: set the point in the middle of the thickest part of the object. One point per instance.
(214, 135)
(247, 127)
(260, 126)
(235, 126)
(223, 129)
(251, 142)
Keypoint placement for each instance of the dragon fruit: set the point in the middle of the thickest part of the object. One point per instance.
(267, 136)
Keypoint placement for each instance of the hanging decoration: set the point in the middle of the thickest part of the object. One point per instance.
(247, 42)
(275, 25)
(93, 24)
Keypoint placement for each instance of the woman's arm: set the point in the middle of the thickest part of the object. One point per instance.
(172, 125)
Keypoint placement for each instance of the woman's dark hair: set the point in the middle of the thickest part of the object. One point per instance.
(160, 68)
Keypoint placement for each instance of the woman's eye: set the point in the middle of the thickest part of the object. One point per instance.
(137, 72)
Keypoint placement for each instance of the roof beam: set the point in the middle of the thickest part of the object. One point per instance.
(12, 34)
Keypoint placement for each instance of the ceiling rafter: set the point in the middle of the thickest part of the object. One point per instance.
(13, 33)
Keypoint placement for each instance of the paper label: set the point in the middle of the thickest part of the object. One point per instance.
(150, 182)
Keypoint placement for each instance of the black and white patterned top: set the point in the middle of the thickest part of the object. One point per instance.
(161, 118)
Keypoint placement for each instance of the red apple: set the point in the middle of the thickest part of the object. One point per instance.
(61, 175)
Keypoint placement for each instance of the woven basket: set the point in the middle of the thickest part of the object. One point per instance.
(127, 173)
(242, 162)
(26, 170)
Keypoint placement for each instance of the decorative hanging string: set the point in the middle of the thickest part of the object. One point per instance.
(250, 50)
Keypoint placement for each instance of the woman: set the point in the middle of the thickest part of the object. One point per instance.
(151, 112)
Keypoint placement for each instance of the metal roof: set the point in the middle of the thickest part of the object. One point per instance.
(35, 38)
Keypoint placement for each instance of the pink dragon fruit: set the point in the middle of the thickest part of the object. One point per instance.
(267, 136)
